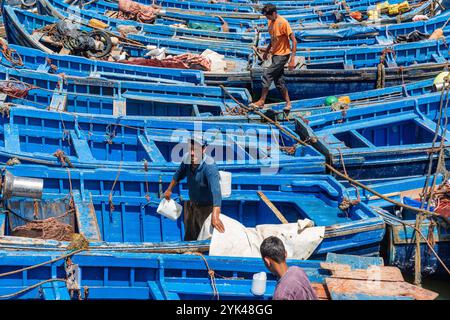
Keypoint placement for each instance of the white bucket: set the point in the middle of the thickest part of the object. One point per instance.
(225, 183)
(259, 283)
(169, 209)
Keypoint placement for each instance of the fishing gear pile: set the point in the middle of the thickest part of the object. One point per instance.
(67, 35)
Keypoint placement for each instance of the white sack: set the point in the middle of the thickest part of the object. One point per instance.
(300, 239)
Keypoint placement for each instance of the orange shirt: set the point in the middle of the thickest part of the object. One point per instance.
(279, 31)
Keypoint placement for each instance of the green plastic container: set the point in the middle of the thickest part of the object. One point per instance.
(329, 101)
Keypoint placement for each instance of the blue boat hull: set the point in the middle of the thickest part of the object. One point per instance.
(142, 277)
(128, 216)
(379, 141)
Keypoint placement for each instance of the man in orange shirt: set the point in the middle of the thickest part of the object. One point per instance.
(280, 35)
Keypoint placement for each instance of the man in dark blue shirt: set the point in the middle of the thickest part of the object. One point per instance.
(203, 183)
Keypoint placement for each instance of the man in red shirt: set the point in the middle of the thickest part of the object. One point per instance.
(280, 35)
(293, 283)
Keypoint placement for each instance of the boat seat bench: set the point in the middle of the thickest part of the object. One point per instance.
(168, 99)
(81, 147)
(12, 140)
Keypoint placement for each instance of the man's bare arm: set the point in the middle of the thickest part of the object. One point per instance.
(215, 220)
(168, 192)
(293, 51)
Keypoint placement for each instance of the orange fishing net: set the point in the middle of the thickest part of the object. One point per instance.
(130, 10)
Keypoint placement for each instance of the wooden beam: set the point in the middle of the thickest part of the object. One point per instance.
(321, 291)
(375, 273)
(378, 289)
(272, 207)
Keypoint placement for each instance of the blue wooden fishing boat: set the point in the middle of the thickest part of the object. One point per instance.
(23, 34)
(312, 106)
(238, 7)
(226, 10)
(24, 57)
(119, 207)
(359, 69)
(242, 22)
(101, 96)
(31, 34)
(357, 35)
(361, 35)
(352, 69)
(390, 139)
(199, 5)
(170, 17)
(88, 141)
(323, 14)
(149, 276)
(399, 244)
(126, 98)
(297, 3)
(63, 10)
(242, 7)
(98, 276)
(158, 29)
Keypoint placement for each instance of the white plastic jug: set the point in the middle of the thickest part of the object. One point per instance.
(169, 209)
(259, 283)
(225, 183)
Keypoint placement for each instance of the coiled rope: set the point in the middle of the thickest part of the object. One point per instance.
(15, 88)
(11, 55)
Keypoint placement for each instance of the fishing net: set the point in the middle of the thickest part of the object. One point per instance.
(15, 89)
(442, 197)
(49, 228)
(42, 219)
(130, 10)
(182, 61)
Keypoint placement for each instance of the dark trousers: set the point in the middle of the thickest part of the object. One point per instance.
(275, 72)
(194, 217)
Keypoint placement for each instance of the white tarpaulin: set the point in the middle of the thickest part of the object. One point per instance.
(218, 63)
(300, 239)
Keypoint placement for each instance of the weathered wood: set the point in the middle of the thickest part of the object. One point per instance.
(379, 273)
(356, 262)
(59, 101)
(378, 288)
(360, 296)
(407, 193)
(321, 291)
(272, 207)
(86, 218)
(119, 107)
(11, 138)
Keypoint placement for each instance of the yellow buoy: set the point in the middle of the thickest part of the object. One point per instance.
(344, 99)
(97, 24)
